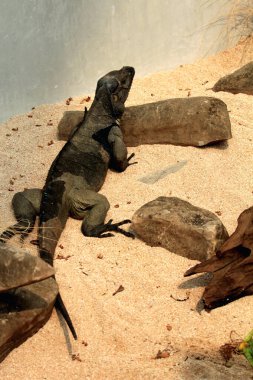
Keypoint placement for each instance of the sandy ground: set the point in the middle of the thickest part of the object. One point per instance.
(119, 336)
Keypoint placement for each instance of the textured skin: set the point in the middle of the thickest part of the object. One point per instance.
(77, 174)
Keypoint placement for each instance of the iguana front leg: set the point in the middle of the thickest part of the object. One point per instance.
(119, 159)
(92, 207)
(26, 206)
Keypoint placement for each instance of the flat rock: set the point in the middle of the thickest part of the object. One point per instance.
(180, 227)
(240, 81)
(195, 121)
(206, 369)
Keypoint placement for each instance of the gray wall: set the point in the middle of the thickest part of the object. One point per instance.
(53, 49)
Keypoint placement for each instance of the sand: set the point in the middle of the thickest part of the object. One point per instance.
(120, 335)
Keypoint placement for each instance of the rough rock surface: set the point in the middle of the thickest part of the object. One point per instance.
(19, 268)
(203, 368)
(24, 309)
(24, 312)
(195, 121)
(240, 81)
(180, 227)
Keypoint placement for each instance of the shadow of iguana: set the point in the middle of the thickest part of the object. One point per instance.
(77, 174)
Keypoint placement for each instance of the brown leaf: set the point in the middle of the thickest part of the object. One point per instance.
(76, 357)
(163, 354)
(68, 101)
(87, 99)
(120, 289)
(61, 257)
(227, 351)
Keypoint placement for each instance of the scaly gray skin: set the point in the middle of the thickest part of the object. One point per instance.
(77, 174)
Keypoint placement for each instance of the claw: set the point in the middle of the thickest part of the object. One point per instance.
(106, 235)
(109, 226)
(129, 158)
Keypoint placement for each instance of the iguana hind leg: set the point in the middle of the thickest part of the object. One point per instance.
(92, 207)
(26, 205)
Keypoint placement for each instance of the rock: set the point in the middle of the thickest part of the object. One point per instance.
(206, 369)
(68, 123)
(24, 312)
(180, 227)
(19, 268)
(195, 121)
(231, 267)
(23, 309)
(240, 81)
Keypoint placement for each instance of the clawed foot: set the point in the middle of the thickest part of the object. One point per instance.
(129, 158)
(115, 227)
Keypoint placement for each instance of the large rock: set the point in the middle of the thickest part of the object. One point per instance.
(24, 312)
(180, 227)
(19, 268)
(24, 309)
(240, 80)
(195, 121)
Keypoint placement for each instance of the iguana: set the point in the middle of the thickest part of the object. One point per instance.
(77, 174)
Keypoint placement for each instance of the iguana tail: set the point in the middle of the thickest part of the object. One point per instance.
(59, 304)
(25, 206)
(22, 227)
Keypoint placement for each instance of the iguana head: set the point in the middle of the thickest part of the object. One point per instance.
(113, 88)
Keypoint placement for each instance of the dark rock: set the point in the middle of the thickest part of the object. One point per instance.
(180, 227)
(195, 121)
(68, 123)
(232, 266)
(240, 81)
(18, 268)
(23, 309)
(23, 312)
